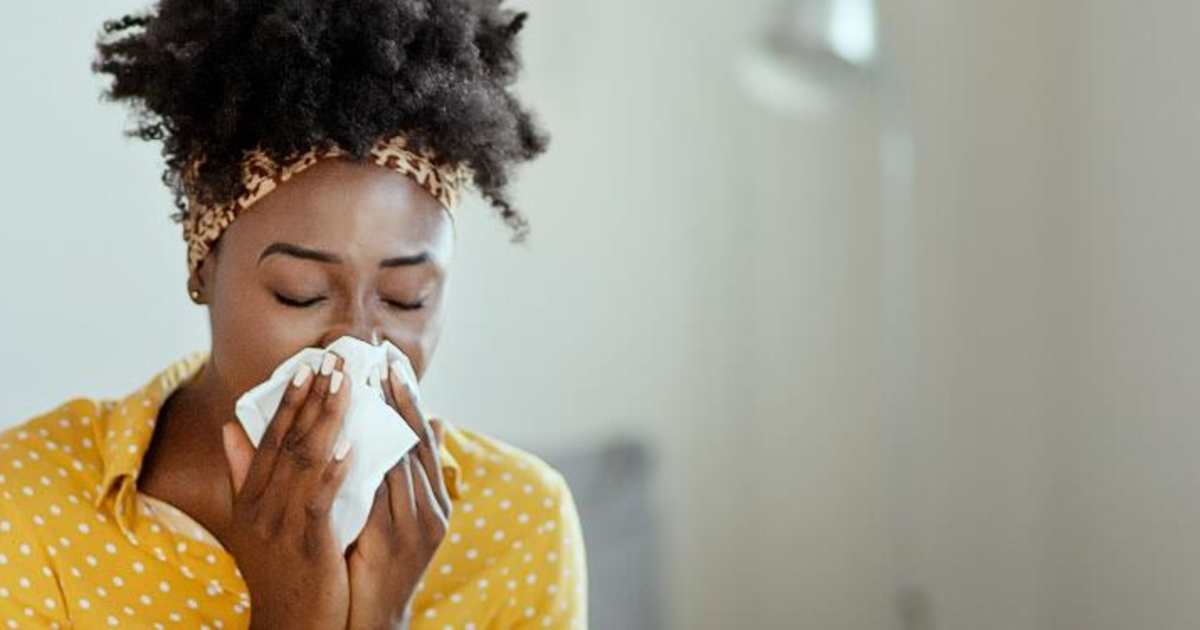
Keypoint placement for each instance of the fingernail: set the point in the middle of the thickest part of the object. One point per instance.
(339, 451)
(302, 375)
(335, 382)
(406, 377)
(401, 370)
(327, 363)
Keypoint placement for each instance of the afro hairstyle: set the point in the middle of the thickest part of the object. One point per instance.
(216, 78)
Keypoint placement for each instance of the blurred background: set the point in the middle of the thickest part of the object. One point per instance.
(838, 315)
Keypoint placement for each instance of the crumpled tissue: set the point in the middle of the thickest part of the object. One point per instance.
(377, 434)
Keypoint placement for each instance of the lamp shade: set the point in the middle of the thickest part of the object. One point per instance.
(813, 54)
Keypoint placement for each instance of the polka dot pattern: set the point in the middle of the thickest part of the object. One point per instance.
(81, 547)
(514, 555)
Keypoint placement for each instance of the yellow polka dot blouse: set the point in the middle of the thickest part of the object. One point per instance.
(81, 547)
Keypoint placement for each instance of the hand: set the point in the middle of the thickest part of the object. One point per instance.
(280, 531)
(408, 519)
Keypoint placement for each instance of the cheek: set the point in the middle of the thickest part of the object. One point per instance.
(420, 340)
(251, 338)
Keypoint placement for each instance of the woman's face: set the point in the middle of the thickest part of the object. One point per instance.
(358, 249)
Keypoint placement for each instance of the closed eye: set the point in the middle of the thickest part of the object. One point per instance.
(406, 307)
(294, 303)
(301, 303)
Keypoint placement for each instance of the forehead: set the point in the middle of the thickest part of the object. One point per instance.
(358, 211)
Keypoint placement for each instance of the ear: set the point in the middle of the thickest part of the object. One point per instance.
(200, 280)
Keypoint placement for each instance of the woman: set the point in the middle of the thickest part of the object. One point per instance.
(316, 152)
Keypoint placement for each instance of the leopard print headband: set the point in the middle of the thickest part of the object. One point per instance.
(203, 225)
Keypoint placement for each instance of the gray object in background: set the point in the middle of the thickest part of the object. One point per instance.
(611, 486)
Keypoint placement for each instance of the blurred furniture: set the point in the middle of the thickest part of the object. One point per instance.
(611, 486)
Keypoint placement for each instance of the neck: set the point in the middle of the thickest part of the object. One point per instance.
(202, 405)
(186, 463)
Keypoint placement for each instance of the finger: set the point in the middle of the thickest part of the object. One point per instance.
(389, 394)
(296, 453)
(378, 525)
(380, 517)
(295, 394)
(321, 500)
(432, 516)
(427, 449)
(400, 493)
(439, 430)
(311, 412)
(239, 452)
(310, 455)
(386, 386)
(323, 433)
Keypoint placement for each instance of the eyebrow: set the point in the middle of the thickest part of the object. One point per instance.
(297, 251)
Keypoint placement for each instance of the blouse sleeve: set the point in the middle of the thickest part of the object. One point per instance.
(30, 594)
(562, 601)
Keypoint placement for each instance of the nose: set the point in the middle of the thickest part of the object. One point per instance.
(355, 322)
(372, 336)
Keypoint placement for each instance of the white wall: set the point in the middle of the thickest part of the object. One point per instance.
(973, 374)
(93, 273)
(1126, 516)
(822, 552)
(1046, 457)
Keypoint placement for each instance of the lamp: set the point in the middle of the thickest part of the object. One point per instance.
(814, 55)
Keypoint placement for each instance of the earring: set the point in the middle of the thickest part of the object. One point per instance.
(195, 296)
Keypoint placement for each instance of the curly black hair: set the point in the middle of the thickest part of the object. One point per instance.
(215, 78)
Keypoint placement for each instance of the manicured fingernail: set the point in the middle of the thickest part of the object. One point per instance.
(335, 382)
(408, 378)
(401, 370)
(327, 363)
(339, 451)
(302, 375)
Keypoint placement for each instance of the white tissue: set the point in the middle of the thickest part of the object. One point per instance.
(378, 436)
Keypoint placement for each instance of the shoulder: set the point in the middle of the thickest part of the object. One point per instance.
(517, 511)
(490, 468)
(50, 468)
(57, 445)
(507, 492)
